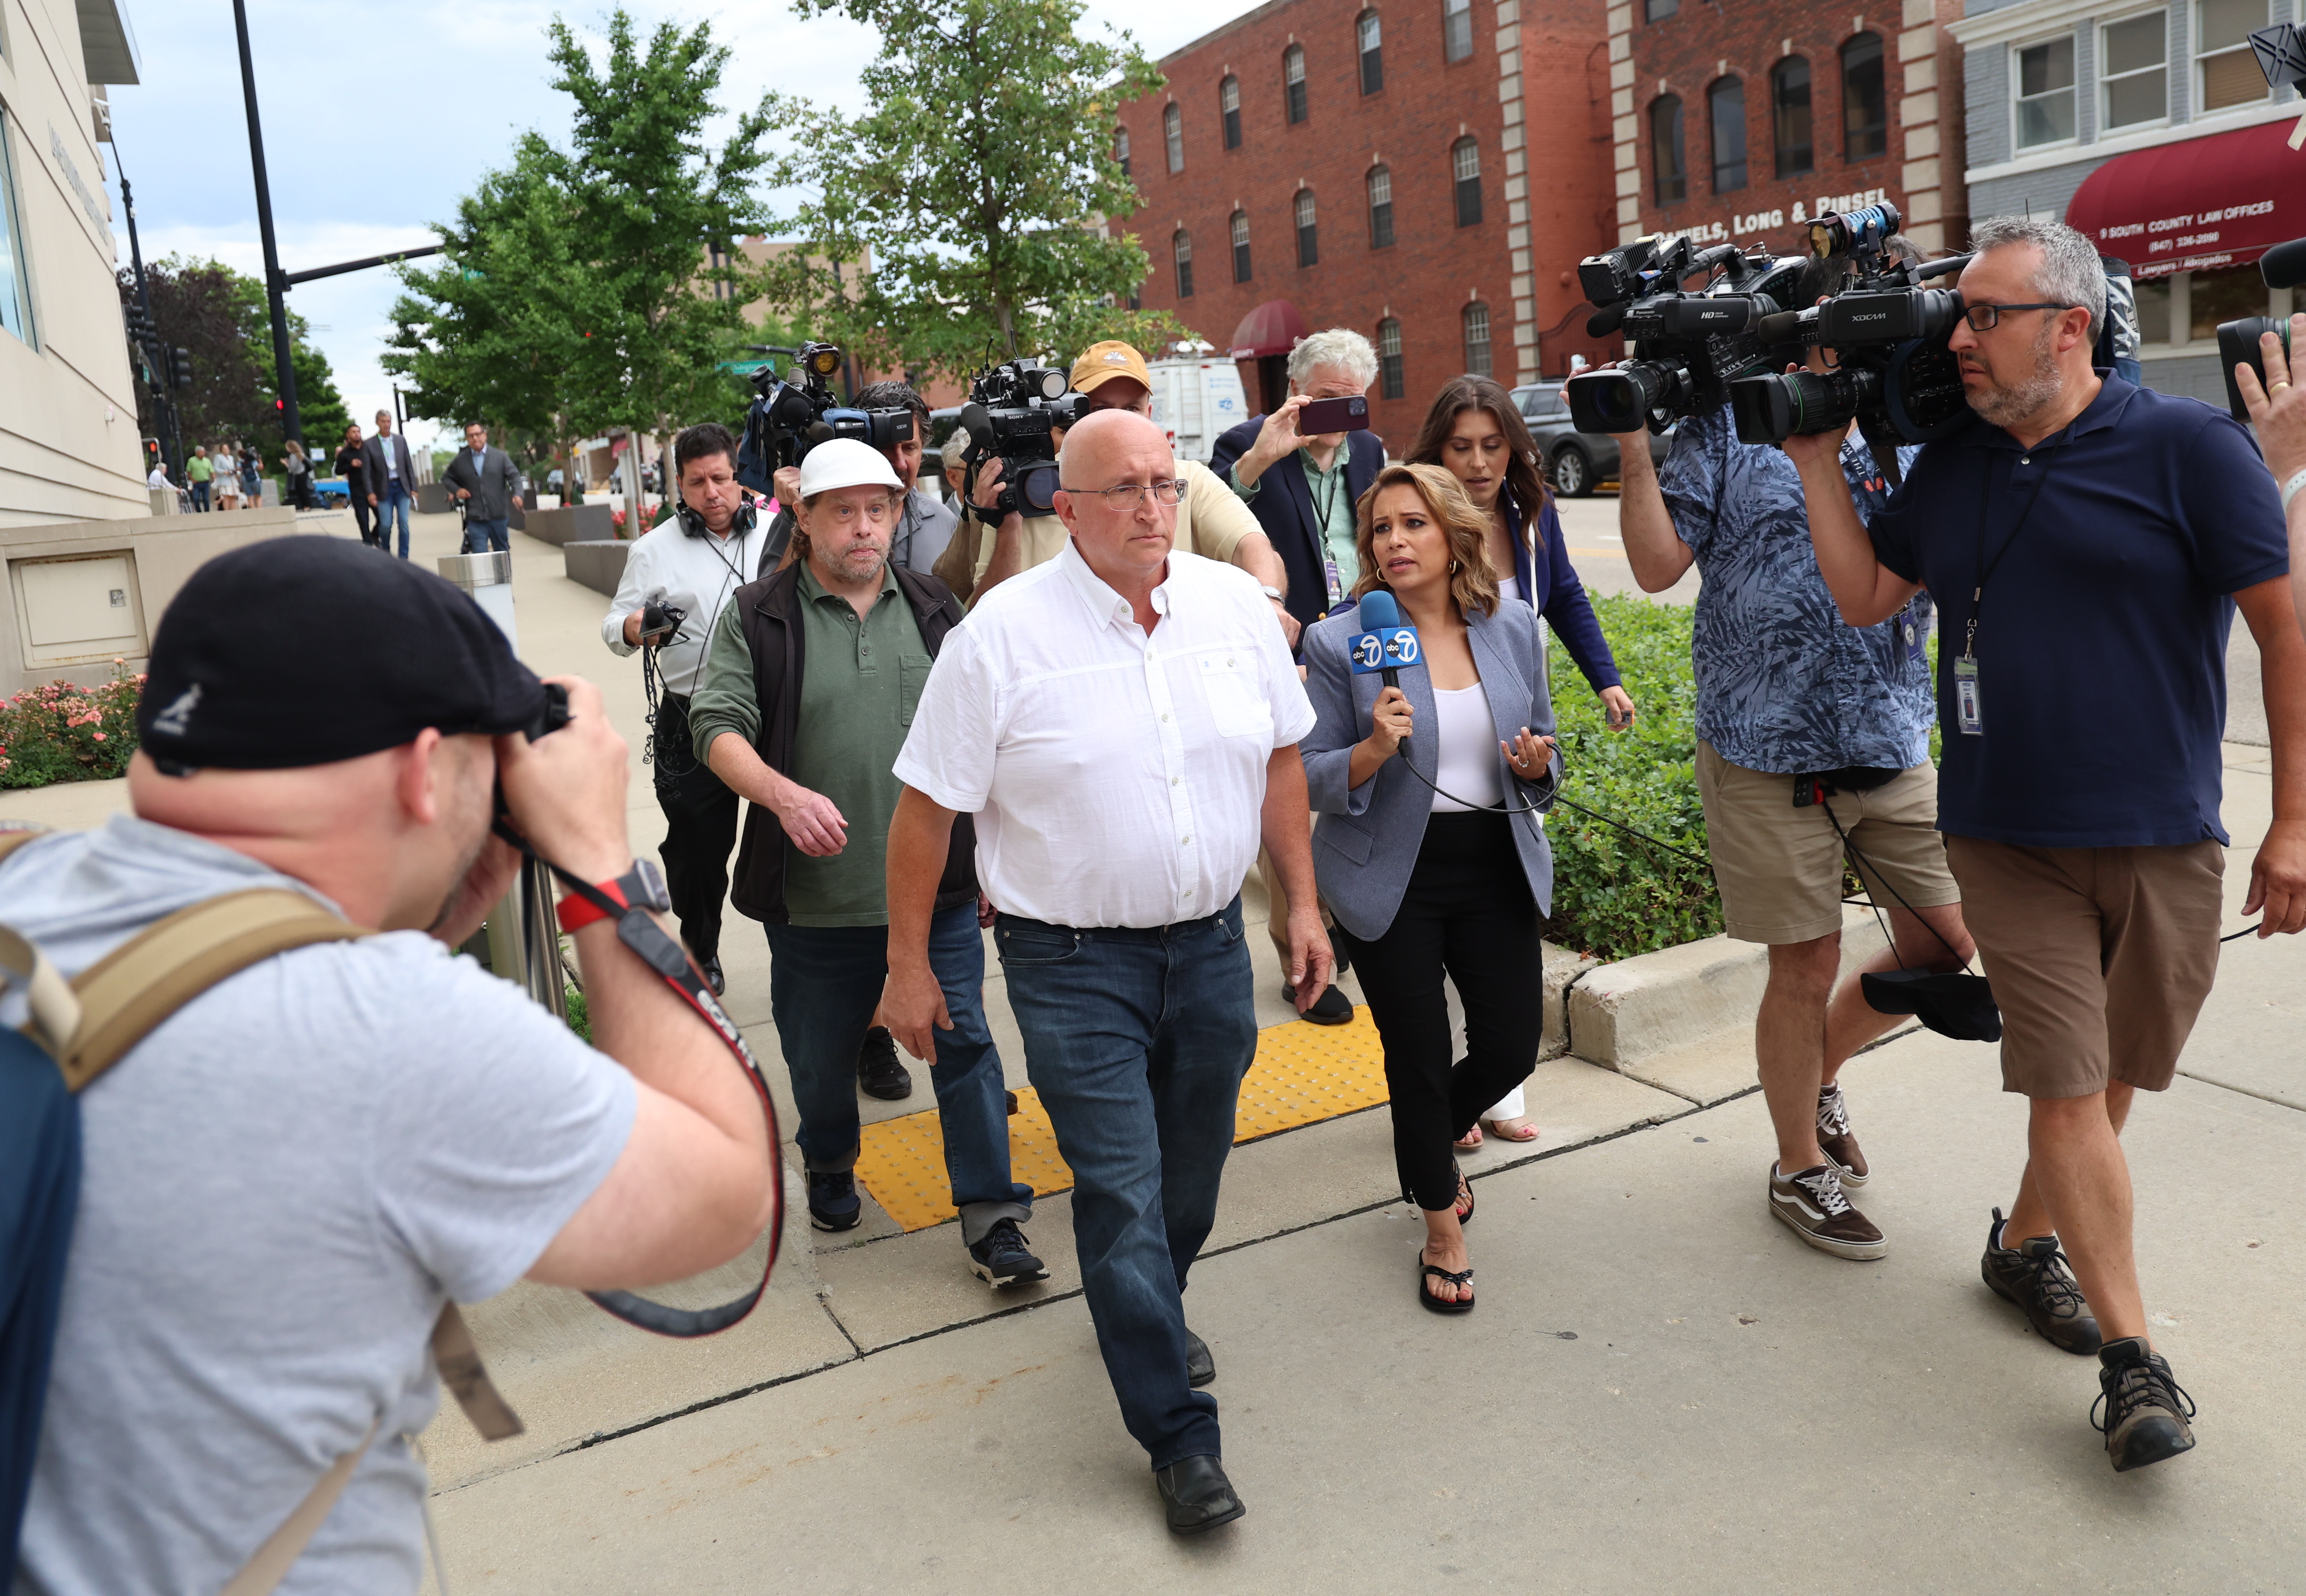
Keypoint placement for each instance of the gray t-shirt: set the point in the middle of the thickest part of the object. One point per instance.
(280, 1187)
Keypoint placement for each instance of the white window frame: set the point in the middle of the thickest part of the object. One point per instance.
(2105, 81)
(1451, 11)
(2202, 59)
(2018, 48)
(1173, 135)
(18, 262)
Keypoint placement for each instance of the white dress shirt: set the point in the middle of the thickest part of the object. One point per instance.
(699, 574)
(1118, 779)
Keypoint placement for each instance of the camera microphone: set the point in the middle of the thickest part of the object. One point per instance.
(1781, 329)
(2284, 265)
(1604, 321)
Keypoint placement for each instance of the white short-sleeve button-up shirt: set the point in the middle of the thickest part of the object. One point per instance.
(1118, 778)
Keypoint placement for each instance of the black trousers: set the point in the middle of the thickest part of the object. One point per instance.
(700, 831)
(360, 515)
(1468, 914)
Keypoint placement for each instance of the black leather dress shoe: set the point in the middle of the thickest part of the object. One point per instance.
(1200, 1367)
(1197, 1495)
(713, 978)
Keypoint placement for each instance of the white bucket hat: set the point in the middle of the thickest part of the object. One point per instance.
(845, 463)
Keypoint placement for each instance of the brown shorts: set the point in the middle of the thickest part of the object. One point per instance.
(2100, 957)
(1779, 867)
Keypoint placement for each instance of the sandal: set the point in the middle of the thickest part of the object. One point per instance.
(1470, 1141)
(1528, 1132)
(1460, 1278)
(1465, 1191)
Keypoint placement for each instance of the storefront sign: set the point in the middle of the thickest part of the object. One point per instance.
(2200, 203)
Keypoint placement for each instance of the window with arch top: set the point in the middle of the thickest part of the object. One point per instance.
(1172, 134)
(1476, 320)
(1790, 125)
(1121, 149)
(1670, 183)
(1381, 207)
(1293, 82)
(1465, 169)
(1725, 110)
(1368, 35)
(1229, 108)
(1865, 101)
(1240, 246)
(1456, 29)
(1309, 248)
(1390, 385)
(1181, 246)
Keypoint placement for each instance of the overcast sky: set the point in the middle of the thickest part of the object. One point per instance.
(377, 117)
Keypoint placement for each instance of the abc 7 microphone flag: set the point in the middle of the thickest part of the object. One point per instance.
(1388, 644)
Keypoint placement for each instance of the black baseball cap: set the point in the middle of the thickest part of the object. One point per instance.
(306, 650)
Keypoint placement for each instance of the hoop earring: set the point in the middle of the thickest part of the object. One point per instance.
(1452, 568)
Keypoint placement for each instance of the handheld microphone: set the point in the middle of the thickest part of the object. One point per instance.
(1386, 645)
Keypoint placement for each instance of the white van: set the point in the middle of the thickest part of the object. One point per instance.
(1196, 398)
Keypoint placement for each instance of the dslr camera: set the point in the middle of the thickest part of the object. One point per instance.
(1012, 409)
(1895, 376)
(1687, 347)
(796, 413)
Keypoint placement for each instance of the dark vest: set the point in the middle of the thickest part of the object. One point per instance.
(767, 611)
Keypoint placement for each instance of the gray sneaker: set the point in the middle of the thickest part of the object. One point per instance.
(1810, 1202)
(2033, 1275)
(1835, 1140)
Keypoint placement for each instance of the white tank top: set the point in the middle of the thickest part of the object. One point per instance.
(1467, 747)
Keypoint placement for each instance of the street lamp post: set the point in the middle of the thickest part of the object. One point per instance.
(156, 353)
(290, 426)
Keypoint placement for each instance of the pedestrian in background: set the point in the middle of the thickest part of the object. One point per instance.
(488, 484)
(198, 470)
(352, 465)
(227, 477)
(252, 477)
(299, 472)
(391, 481)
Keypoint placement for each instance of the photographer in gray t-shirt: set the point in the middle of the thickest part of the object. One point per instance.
(285, 1182)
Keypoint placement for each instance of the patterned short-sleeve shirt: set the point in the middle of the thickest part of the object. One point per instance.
(1782, 685)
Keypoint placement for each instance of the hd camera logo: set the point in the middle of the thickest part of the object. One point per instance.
(1387, 650)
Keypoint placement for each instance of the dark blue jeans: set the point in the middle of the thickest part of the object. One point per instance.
(824, 982)
(480, 536)
(394, 500)
(1137, 1041)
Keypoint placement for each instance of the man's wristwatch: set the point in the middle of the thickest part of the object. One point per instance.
(1271, 593)
(640, 887)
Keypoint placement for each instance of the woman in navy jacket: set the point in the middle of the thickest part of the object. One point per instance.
(1429, 854)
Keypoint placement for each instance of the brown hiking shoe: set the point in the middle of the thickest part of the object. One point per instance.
(1810, 1201)
(2034, 1277)
(2146, 1411)
(1835, 1140)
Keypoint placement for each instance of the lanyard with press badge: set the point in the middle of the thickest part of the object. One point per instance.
(1968, 717)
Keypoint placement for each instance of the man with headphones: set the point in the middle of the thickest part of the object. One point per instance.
(677, 579)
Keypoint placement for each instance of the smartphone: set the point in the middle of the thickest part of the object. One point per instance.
(1333, 415)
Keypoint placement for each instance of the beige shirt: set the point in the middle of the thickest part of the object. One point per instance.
(1211, 521)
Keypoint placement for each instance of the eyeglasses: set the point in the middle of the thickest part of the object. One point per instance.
(1130, 495)
(1981, 317)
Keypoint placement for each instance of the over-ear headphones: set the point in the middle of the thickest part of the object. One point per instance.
(693, 523)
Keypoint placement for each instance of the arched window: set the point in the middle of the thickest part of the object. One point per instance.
(1389, 360)
(1309, 248)
(1229, 107)
(1725, 109)
(1865, 104)
(1369, 38)
(1380, 204)
(1476, 318)
(1173, 133)
(1121, 149)
(1182, 243)
(1292, 82)
(1790, 117)
(1466, 168)
(1456, 29)
(1241, 246)
(1671, 185)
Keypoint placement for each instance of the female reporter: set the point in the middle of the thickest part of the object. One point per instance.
(1474, 429)
(1429, 854)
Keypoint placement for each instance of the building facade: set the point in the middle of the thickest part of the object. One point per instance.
(1740, 125)
(2150, 127)
(68, 441)
(1428, 172)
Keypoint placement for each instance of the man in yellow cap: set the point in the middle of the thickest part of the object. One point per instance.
(1212, 522)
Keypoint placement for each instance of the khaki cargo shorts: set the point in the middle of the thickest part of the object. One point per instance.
(2100, 957)
(1779, 867)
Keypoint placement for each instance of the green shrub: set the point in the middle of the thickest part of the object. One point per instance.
(1615, 895)
(580, 1017)
(61, 732)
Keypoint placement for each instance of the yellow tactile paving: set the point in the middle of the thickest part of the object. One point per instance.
(1303, 1073)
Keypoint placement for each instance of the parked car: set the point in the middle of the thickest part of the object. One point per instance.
(1575, 462)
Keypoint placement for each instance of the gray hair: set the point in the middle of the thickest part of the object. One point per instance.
(955, 444)
(1339, 346)
(2070, 273)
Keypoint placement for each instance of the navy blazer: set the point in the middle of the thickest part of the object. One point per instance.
(1284, 506)
(1552, 586)
(1365, 843)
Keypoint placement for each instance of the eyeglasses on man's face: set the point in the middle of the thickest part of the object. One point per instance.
(1128, 496)
(1983, 318)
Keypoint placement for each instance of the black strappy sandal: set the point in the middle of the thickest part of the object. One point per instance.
(1465, 1190)
(1461, 1278)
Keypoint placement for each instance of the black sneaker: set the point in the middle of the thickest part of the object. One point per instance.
(878, 1072)
(2034, 1277)
(1836, 1142)
(1001, 1259)
(2144, 1410)
(833, 1201)
(1331, 1008)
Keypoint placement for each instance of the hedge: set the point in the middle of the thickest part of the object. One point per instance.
(61, 732)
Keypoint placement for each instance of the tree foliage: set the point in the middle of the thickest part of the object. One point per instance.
(982, 180)
(220, 317)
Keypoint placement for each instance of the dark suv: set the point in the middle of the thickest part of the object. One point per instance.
(1575, 462)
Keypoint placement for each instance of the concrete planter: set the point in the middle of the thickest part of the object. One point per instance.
(598, 565)
(578, 523)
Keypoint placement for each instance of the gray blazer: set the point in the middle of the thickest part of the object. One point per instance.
(1366, 841)
(493, 487)
(379, 480)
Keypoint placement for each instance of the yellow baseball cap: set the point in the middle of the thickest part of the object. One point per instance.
(1102, 362)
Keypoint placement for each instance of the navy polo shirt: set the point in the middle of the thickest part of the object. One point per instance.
(2102, 631)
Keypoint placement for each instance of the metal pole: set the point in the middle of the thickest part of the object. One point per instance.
(164, 406)
(290, 425)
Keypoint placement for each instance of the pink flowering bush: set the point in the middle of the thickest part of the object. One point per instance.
(61, 732)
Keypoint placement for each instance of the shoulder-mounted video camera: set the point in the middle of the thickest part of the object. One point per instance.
(796, 413)
(1012, 410)
(1687, 345)
(1893, 374)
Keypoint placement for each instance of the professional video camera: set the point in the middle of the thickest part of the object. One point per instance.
(1010, 412)
(1686, 347)
(795, 414)
(1895, 376)
(2282, 267)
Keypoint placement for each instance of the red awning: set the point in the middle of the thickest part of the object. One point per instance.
(2220, 200)
(1273, 328)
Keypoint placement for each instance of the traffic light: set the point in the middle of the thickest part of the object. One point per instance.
(180, 368)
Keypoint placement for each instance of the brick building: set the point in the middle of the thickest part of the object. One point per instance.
(1740, 121)
(1372, 163)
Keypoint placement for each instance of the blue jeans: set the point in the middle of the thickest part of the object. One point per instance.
(199, 497)
(393, 496)
(824, 982)
(480, 536)
(1137, 1041)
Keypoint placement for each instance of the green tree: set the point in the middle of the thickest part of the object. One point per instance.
(983, 182)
